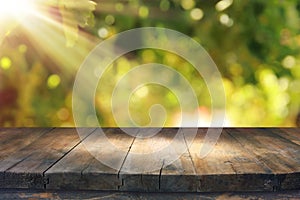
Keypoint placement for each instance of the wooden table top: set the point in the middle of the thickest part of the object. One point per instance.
(244, 159)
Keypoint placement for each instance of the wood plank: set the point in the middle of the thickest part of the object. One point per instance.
(25, 168)
(242, 160)
(180, 175)
(287, 148)
(276, 152)
(14, 139)
(68, 173)
(141, 169)
(279, 154)
(291, 180)
(167, 169)
(80, 169)
(292, 134)
(224, 168)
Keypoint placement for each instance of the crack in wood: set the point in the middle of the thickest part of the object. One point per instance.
(124, 160)
(15, 164)
(68, 151)
(142, 182)
(45, 181)
(54, 163)
(127, 153)
(122, 184)
(247, 160)
(231, 165)
(84, 168)
(160, 177)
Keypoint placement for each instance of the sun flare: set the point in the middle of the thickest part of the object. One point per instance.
(15, 9)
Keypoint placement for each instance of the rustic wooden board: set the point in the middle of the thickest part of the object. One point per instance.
(292, 134)
(180, 175)
(290, 180)
(81, 170)
(134, 173)
(25, 168)
(242, 160)
(224, 169)
(278, 153)
(14, 139)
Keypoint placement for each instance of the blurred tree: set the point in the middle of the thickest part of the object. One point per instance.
(255, 44)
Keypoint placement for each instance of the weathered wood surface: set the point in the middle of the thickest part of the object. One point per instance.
(14, 139)
(81, 170)
(229, 167)
(244, 159)
(25, 168)
(180, 175)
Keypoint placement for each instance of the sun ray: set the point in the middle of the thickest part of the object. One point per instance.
(43, 37)
(45, 32)
(15, 9)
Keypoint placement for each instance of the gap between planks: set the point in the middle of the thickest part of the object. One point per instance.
(80, 141)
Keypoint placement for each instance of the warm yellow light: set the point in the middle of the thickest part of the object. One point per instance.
(143, 12)
(289, 62)
(53, 81)
(196, 14)
(15, 8)
(5, 63)
(188, 4)
(223, 4)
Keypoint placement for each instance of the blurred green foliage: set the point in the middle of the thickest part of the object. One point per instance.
(255, 44)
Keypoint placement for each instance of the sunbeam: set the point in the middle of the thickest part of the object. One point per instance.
(16, 9)
(45, 31)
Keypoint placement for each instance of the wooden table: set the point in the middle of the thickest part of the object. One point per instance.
(254, 159)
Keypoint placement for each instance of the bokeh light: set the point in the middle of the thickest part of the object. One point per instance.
(255, 44)
(53, 81)
(197, 14)
(5, 63)
(188, 4)
(223, 4)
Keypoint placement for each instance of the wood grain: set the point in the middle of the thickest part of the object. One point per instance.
(136, 172)
(276, 152)
(180, 175)
(14, 139)
(228, 160)
(244, 159)
(80, 169)
(292, 134)
(25, 168)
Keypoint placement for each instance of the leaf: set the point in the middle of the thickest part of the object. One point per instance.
(76, 13)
